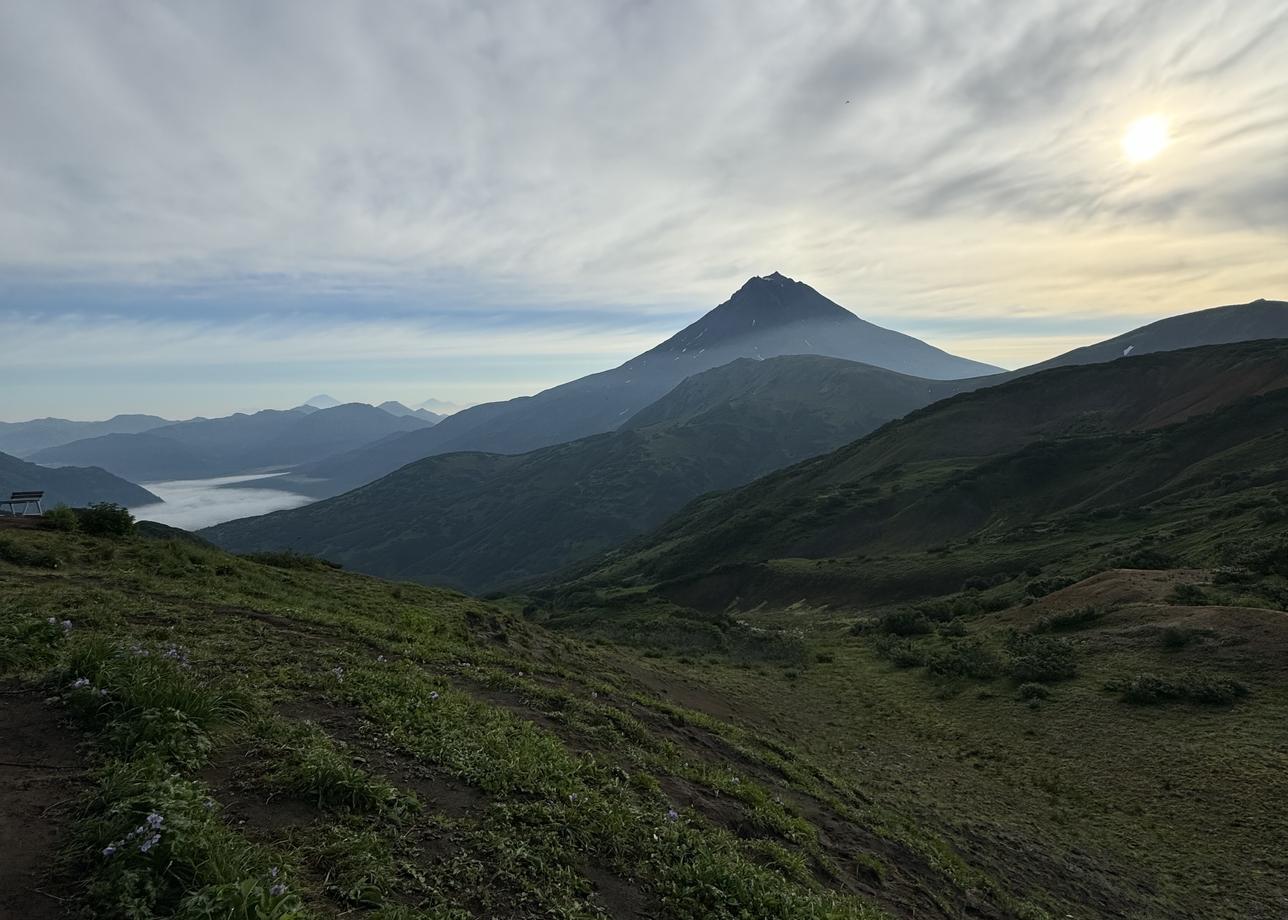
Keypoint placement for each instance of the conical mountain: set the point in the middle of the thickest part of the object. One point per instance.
(767, 317)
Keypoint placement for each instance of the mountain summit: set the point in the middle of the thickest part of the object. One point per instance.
(767, 317)
(759, 305)
(775, 315)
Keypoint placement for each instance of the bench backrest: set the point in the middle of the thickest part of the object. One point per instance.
(25, 496)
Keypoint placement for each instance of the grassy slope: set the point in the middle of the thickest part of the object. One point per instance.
(1069, 443)
(1118, 810)
(410, 752)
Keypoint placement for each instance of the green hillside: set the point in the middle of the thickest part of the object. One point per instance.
(998, 470)
(197, 729)
(481, 521)
(1016, 749)
(69, 485)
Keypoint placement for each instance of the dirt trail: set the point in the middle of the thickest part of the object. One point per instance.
(41, 776)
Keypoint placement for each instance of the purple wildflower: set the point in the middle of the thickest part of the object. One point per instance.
(149, 843)
(80, 682)
(67, 624)
(277, 890)
(155, 820)
(672, 814)
(110, 850)
(433, 694)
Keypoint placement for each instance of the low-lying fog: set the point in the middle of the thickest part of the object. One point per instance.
(196, 503)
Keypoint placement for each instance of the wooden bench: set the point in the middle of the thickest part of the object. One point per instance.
(26, 499)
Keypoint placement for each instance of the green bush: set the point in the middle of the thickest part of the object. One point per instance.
(1068, 620)
(290, 559)
(905, 622)
(105, 519)
(1150, 689)
(62, 518)
(1039, 658)
(1041, 587)
(971, 658)
(902, 653)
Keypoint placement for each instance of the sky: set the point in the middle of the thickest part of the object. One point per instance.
(214, 206)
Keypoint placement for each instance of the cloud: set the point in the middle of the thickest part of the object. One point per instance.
(621, 158)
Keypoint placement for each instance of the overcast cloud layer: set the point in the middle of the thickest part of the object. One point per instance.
(474, 200)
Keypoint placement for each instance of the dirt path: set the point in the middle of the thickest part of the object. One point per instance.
(40, 779)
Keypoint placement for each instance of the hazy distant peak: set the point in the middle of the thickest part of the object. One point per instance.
(393, 407)
(439, 406)
(322, 401)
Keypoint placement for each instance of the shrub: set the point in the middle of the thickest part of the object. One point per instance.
(290, 559)
(1040, 658)
(1032, 691)
(1187, 595)
(1068, 620)
(1150, 689)
(902, 653)
(965, 659)
(62, 518)
(954, 628)
(1143, 559)
(905, 622)
(105, 519)
(1041, 587)
(1176, 637)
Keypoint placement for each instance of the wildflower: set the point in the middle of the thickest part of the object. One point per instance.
(272, 873)
(51, 621)
(338, 672)
(277, 890)
(102, 691)
(67, 624)
(672, 814)
(80, 682)
(149, 843)
(209, 804)
(380, 658)
(109, 850)
(155, 820)
(433, 695)
(572, 797)
(594, 695)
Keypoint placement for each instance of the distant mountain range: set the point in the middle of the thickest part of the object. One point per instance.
(202, 448)
(765, 318)
(396, 408)
(479, 521)
(73, 486)
(1040, 458)
(25, 438)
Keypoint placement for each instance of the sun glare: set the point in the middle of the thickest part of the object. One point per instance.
(1146, 138)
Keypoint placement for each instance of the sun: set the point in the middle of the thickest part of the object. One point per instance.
(1146, 138)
